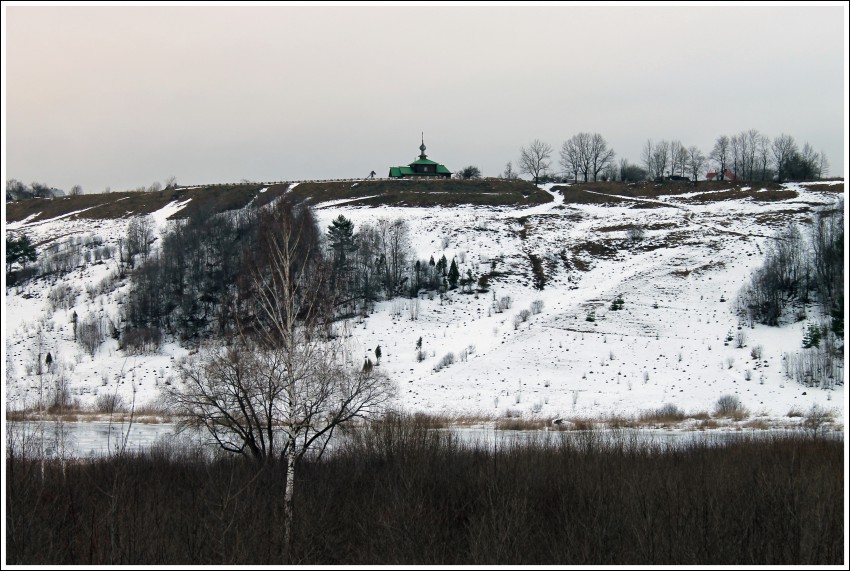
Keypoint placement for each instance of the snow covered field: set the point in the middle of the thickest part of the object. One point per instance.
(667, 345)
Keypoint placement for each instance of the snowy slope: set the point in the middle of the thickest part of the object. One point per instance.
(666, 345)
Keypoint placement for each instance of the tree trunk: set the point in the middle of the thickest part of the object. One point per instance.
(288, 505)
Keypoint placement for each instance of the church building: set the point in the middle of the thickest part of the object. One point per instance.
(421, 168)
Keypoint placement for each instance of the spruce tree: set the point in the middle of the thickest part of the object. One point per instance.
(441, 265)
(341, 240)
(454, 275)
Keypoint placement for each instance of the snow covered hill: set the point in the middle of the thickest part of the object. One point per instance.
(677, 263)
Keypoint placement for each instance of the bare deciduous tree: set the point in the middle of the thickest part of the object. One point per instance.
(140, 236)
(783, 147)
(763, 154)
(735, 146)
(286, 384)
(696, 162)
(823, 165)
(600, 156)
(571, 157)
(751, 143)
(659, 158)
(394, 246)
(509, 173)
(720, 154)
(586, 153)
(534, 159)
(646, 156)
(678, 158)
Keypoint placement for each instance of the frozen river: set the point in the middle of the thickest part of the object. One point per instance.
(94, 439)
(91, 439)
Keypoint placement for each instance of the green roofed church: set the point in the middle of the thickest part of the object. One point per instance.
(421, 168)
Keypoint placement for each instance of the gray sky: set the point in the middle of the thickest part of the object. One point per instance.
(123, 96)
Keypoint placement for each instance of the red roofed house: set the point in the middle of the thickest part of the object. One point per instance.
(728, 175)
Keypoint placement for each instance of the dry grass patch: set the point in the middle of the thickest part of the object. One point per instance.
(423, 193)
(595, 249)
(575, 195)
(795, 412)
(757, 424)
(759, 195)
(707, 424)
(218, 198)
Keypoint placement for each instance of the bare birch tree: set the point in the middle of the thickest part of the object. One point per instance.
(287, 382)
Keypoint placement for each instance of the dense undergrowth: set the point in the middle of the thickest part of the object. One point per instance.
(400, 492)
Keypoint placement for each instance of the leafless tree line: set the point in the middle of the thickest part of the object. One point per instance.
(797, 266)
(749, 155)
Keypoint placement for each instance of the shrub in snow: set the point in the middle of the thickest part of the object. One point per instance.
(139, 340)
(109, 403)
(730, 406)
(517, 321)
(448, 359)
(817, 418)
(90, 334)
(666, 413)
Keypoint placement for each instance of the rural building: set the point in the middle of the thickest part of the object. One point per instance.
(421, 168)
(728, 175)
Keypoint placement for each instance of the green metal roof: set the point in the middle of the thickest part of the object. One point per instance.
(423, 162)
(396, 172)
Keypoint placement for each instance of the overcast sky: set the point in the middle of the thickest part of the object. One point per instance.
(123, 96)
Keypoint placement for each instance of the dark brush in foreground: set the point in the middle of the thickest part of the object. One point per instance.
(399, 492)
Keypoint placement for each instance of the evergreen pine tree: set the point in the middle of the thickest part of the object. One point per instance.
(441, 265)
(341, 240)
(19, 250)
(454, 275)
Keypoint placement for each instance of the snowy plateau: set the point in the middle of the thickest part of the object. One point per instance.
(668, 344)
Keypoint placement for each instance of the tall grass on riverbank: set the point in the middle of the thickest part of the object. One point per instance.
(400, 493)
